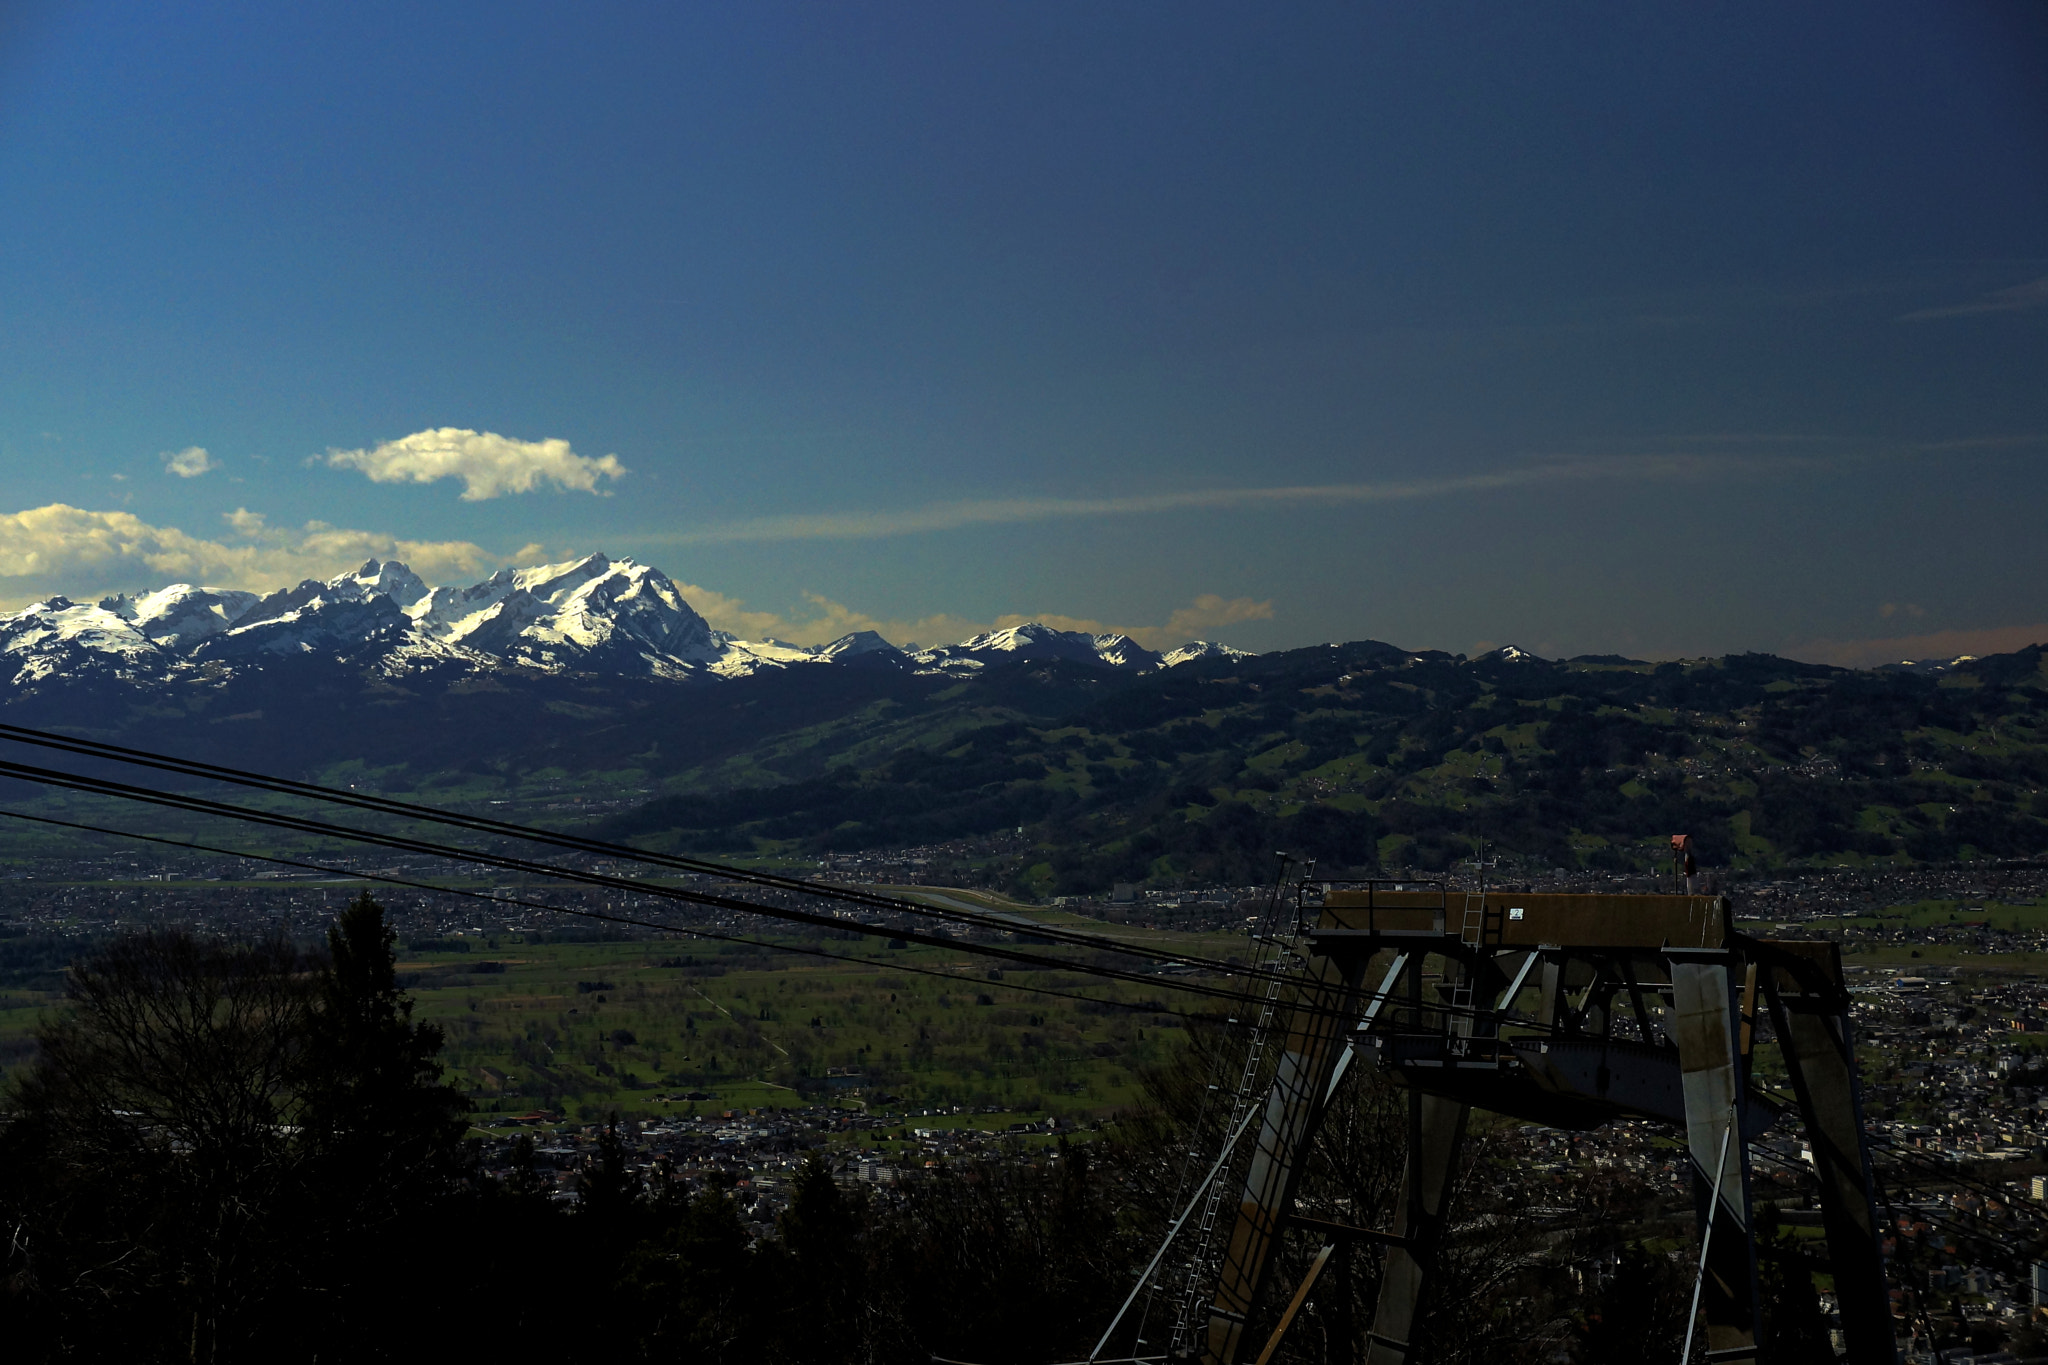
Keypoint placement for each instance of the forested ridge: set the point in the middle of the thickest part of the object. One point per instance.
(1365, 756)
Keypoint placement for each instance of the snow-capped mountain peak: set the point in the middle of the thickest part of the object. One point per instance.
(181, 615)
(858, 643)
(589, 615)
(1196, 650)
(61, 637)
(1034, 639)
(389, 579)
(552, 582)
(1121, 651)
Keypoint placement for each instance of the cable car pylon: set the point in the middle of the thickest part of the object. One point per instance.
(1560, 1009)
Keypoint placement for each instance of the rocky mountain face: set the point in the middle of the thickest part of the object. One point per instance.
(594, 615)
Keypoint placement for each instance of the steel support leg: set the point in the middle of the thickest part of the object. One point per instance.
(1436, 1132)
(1812, 1018)
(1707, 1028)
(1317, 1033)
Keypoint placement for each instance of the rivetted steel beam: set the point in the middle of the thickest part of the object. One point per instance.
(1436, 1133)
(1315, 1038)
(1706, 1025)
(1810, 1009)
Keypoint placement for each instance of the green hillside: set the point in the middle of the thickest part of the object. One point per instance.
(1048, 778)
(1363, 755)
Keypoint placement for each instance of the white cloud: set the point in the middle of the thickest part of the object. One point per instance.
(84, 553)
(948, 516)
(188, 463)
(488, 464)
(1941, 644)
(1209, 612)
(1659, 467)
(828, 620)
(2016, 299)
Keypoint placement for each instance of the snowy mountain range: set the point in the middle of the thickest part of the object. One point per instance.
(591, 615)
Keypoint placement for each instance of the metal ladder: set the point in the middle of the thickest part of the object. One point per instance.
(1474, 927)
(1203, 1253)
(1472, 932)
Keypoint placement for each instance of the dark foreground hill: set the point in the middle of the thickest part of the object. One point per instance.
(1361, 754)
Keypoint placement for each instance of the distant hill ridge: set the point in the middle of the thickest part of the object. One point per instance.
(589, 615)
(590, 693)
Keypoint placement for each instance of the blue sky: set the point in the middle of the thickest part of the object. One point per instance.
(1655, 330)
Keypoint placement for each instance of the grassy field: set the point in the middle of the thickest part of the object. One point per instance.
(1963, 916)
(676, 1025)
(646, 1026)
(643, 1028)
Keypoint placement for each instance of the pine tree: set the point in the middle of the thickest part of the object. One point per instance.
(386, 1131)
(381, 1134)
(608, 1189)
(825, 1268)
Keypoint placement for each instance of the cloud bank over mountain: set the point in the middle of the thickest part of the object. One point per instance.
(829, 620)
(61, 548)
(84, 554)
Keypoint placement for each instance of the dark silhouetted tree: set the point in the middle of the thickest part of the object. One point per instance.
(822, 1267)
(149, 1165)
(381, 1136)
(696, 1289)
(608, 1189)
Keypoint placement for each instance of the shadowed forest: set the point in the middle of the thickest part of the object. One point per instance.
(231, 1151)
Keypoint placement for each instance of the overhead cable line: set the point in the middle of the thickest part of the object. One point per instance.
(1991, 1240)
(577, 843)
(607, 917)
(872, 902)
(508, 863)
(532, 867)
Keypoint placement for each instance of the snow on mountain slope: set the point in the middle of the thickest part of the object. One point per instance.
(453, 614)
(319, 623)
(182, 615)
(1194, 651)
(1121, 651)
(739, 658)
(60, 638)
(588, 615)
(621, 617)
(1033, 640)
(554, 582)
(863, 646)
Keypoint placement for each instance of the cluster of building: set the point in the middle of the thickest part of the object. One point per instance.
(754, 1154)
(947, 863)
(1956, 1105)
(95, 898)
